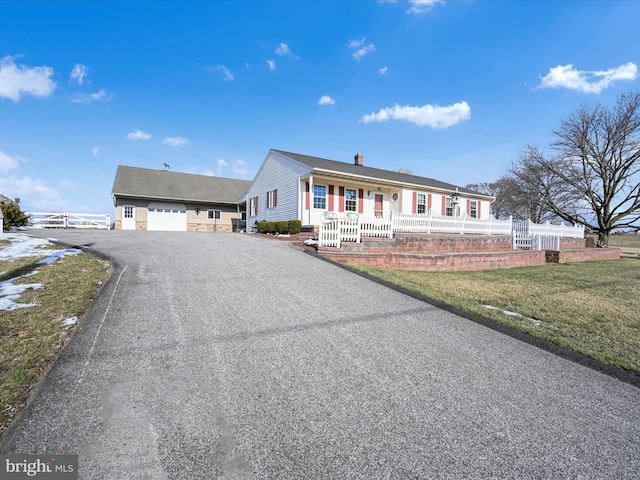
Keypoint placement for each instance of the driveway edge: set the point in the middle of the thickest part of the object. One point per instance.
(610, 370)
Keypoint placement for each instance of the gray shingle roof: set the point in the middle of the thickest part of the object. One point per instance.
(374, 173)
(185, 187)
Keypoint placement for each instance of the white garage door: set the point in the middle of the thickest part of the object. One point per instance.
(167, 217)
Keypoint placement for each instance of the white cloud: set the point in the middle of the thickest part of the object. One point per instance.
(100, 95)
(222, 163)
(94, 150)
(138, 135)
(26, 187)
(272, 65)
(284, 50)
(227, 75)
(16, 80)
(383, 71)
(587, 81)
(433, 116)
(7, 162)
(78, 73)
(326, 100)
(240, 167)
(175, 141)
(422, 6)
(361, 49)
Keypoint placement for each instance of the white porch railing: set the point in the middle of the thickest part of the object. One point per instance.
(336, 228)
(432, 223)
(69, 220)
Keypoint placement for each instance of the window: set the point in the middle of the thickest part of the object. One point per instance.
(272, 198)
(253, 206)
(350, 199)
(320, 197)
(213, 214)
(450, 207)
(128, 211)
(422, 203)
(473, 209)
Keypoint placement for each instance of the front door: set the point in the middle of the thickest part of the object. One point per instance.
(377, 209)
(128, 217)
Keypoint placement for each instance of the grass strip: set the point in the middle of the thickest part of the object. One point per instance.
(32, 337)
(589, 307)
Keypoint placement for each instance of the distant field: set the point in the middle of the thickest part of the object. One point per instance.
(627, 243)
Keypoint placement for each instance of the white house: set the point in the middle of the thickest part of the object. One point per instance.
(292, 186)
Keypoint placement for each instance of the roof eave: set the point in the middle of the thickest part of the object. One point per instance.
(393, 183)
(173, 199)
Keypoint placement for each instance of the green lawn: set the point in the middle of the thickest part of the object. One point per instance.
(592, 308)
(32, 337)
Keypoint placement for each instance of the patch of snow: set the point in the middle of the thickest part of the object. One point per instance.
(70, 321)
(55, 255)
(22, 246)
(537, 323)
(10, 292)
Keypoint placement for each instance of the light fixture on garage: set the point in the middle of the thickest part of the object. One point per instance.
(197, 211)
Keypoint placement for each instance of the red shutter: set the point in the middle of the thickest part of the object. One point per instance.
(428, 202)
(257, 197)
(478, 207)
(275, 197)
(306, 198)
(468, 207)
(360, 200)
(415, 202)
(341, 199)
(444, 205)
(331, 198)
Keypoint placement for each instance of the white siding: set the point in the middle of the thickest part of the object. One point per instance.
(281, 173)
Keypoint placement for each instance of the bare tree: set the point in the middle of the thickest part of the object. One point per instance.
(408, 171)
(517, 194)
(593, 177)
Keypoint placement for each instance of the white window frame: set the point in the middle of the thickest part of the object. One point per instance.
(213, 214)
(320, 201)
(473, 209)
(450, 207)
(350, 204)
(421, 203)
(272, 199)
(252, 206)
(126, 210)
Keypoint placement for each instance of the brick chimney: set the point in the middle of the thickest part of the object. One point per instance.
(358, 159)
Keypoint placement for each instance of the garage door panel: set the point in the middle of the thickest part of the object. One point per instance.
(167, 217)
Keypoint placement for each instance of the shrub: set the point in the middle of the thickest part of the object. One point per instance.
(13, 216)
(282, 226)
(271, 227)
(295, 227)
(263, 226)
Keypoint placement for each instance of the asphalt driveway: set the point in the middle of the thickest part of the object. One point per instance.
(229, 356)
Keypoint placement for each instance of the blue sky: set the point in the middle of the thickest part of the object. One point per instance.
(451, 90)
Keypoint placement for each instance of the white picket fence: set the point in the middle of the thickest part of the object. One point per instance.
(527, 227)
(69, 220)
(543, 236)
(433, 223)
(337, 228)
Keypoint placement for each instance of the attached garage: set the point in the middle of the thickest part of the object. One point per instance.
(167, 217)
